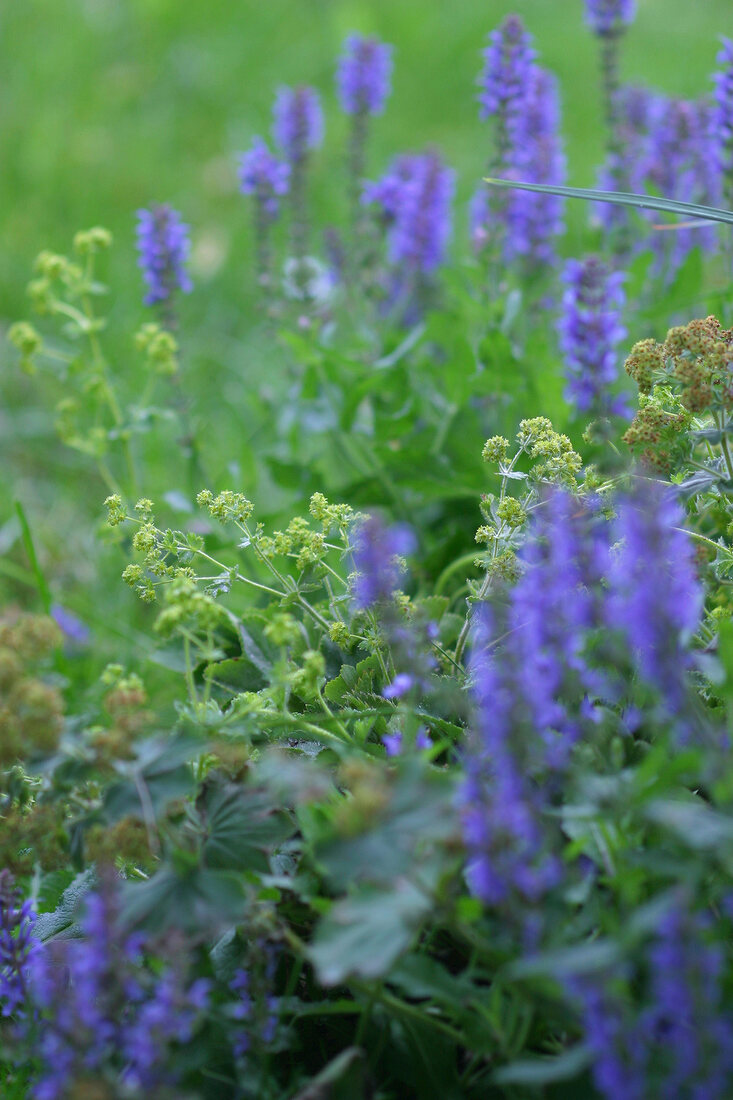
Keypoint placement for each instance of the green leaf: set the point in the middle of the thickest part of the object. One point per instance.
(240, 827)
(365, 934)
(194, 901)
(48, 925)
(536, 1072)
(686, 210)
(344, 1078)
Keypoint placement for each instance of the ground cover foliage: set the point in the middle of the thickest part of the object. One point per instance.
(397, 762)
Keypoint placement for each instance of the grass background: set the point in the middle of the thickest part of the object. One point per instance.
(112, 104)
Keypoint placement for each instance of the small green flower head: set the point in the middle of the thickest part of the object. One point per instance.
(339, 633)
(511, 512)
(228, 505)
(39, 292)
(282, 630)
(306, 680)
(145, 539)
(495, 449)
(160, 347)
(89, 241)
(51, 265)
(115, 510)
(144, 508)
(25, 338)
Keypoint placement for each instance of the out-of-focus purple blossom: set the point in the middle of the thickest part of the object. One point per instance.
(363, 77)
(17, 946)
(164, 245)
(297, 122)
(96, 1006)
(265, 177)
(73, 629)
(609, 17)
(655, 597)
(590, 329)
(508, 62)
(534, 220)
(500, 805)
(679, 1043)
(680, 161)
(636, 110)
(402, 683)
(394, 742)
(376, 551)
(722, 120)
(415, 197)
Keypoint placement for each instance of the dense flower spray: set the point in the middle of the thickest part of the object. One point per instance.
(722, 119)
(298, 129)
(552, 653)
(267, 179)
(164, 245)
(590, 329)
(522, 102)
(95, 1006)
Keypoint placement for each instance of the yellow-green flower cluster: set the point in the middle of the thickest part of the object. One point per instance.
(227, 505)
(160, 348)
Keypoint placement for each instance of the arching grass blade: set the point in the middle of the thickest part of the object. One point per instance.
(688, 210)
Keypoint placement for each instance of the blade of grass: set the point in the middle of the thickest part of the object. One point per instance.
(30, 549)
(623, 198)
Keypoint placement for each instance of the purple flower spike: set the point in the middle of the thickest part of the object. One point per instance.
(415, 197)
(261, 174)
(17, 946)
(376, 553)
(655, 606)
(590, 329)
(298, 122)
(508, 62)
(723, 112)
(364, 75)
(164, 245)
(609, 17)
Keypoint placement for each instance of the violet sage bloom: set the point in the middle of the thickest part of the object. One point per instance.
(609, 17)
(676, 1040)
(298, 129)
(267, 179)
(297, 122)
(590, 329)
(415, 198)
(264, 177)
(508, 62)
(377, 551)
(655, 597)
(363, 77)
(522, 102)
(17, 946)
(164, 245)
(680, 162)
(722, 120)
(97, 1007)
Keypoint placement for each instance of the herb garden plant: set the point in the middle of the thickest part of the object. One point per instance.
(416, 778)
